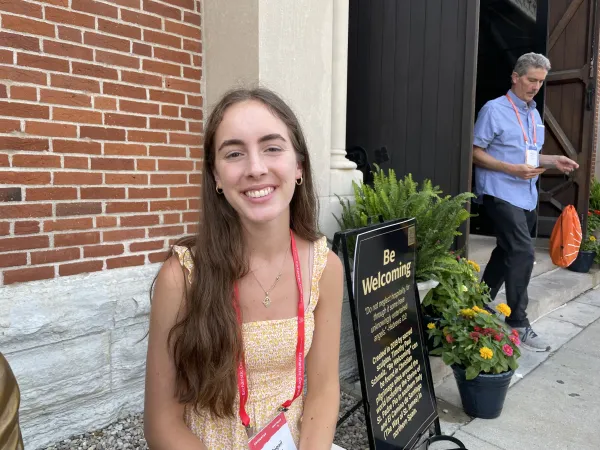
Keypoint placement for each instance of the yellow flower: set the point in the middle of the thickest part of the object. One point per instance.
(474, 265)
(468, 312)
(486, 353)
(503, 308)
(593, 238)
(431, 325)
(477, 309)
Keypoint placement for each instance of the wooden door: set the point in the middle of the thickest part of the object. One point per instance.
(411, 82)
(569, 106)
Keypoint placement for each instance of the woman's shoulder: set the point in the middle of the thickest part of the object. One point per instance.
(169, 290)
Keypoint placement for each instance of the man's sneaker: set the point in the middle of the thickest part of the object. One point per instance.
(530, 340)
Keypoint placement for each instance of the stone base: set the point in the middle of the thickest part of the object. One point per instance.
(77, 346)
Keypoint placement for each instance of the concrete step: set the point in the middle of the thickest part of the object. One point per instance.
(481, 247)
(552, 289)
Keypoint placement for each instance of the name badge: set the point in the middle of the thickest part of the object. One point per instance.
(276, 435)
(532, 156)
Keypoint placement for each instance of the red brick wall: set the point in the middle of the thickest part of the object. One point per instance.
(100, 133)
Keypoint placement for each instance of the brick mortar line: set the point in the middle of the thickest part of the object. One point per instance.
(117, 20)
(42, 220)
(102, 171)
(95, 47)
(128, 8)
(98, 156)
(49, 86)
(107, 34)
(104, 80)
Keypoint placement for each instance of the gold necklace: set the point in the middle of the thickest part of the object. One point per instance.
(267, 300)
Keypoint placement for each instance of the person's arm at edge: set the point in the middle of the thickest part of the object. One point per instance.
(322, 402)
(164, 426)
(560, 162)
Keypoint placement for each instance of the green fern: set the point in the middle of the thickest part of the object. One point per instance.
(438, 218)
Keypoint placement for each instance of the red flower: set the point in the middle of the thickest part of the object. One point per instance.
(489, 331)
(449, 339)
(596, 212)
(515, 333)
(515, 340)
(475, 335)
(478, 329)
(589, 213)
(507, 349)
(498, 337)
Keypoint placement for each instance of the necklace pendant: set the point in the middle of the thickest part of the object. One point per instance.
(266, 302)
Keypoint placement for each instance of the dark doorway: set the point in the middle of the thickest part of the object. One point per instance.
(507, 29)
(564, 31)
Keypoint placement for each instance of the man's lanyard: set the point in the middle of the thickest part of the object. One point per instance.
(521, 123)
(241, 370)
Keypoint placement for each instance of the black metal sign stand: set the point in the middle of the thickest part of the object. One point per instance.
(395, 241)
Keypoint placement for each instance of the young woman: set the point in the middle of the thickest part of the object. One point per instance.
(241, 309)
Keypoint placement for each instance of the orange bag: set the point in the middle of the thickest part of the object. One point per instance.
(566, 238)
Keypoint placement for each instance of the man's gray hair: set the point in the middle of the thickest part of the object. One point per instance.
(531, 61)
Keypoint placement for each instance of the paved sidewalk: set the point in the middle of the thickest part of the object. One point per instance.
(554, 402)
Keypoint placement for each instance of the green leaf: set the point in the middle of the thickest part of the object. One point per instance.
(472, 372)
(448, 358)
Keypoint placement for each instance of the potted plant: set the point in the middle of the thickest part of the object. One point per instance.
(593, 224)
(482, 352)
(438, 218)
(588, 251)
(459, 285)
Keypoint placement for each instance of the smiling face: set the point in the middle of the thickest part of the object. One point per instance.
(256, 164)
(527, 86)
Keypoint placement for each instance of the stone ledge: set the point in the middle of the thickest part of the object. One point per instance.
(77, 346)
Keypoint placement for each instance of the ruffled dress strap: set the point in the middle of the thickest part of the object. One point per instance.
(321, 251)
(185, 259)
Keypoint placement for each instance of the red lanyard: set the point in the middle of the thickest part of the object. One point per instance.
(521, 123)
(241, 370)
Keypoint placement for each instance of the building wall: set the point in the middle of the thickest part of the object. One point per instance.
(100, 133)
(595, 169)
(101, 116)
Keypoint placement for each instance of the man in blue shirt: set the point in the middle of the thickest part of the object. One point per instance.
(508, 139)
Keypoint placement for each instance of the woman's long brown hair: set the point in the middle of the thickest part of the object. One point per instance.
(206, 341)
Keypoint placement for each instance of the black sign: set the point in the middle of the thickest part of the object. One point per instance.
(394, 366)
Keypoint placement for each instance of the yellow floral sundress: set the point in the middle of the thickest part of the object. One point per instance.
(270, 349)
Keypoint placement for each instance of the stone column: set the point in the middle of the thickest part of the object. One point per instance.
(342, 170)
(284, 45)
(298, 48)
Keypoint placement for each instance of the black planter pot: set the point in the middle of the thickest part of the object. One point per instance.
(484, 395)
(584, 261)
